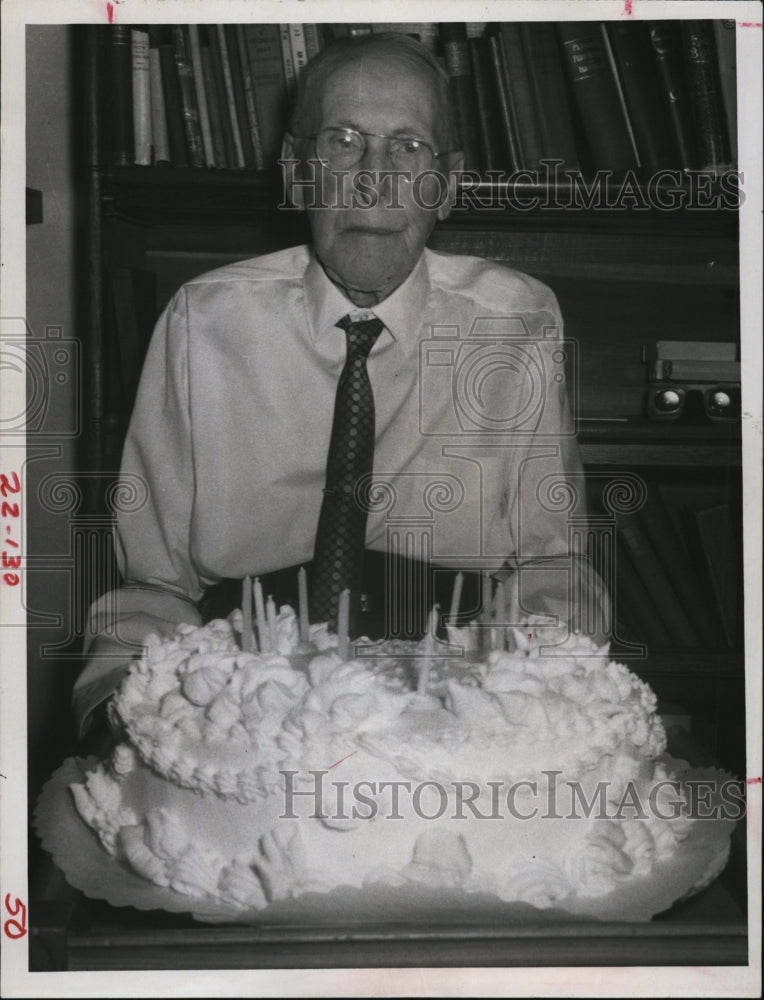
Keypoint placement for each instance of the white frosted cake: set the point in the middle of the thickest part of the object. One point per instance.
(248, 778)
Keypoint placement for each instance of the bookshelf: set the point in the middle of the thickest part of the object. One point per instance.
(659, 264)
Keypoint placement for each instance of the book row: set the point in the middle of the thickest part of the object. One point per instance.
(677, 579)
(612, 96)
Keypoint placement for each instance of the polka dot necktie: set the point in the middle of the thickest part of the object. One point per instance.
(341, 534)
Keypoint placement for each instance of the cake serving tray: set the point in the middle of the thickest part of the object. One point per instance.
(87, 867)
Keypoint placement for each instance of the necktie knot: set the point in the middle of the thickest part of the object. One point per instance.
(361, 335)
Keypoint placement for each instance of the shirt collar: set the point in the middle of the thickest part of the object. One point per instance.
(401, 312)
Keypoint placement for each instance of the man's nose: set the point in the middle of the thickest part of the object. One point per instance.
(376, 155)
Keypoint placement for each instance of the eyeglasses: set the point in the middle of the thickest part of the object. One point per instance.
(341, 148)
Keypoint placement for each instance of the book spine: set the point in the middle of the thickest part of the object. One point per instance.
(239, 95)
(494, 154)
(224, 119)
(426, 32)
(542, 56)
(726, 48)
(215, 108)
(705, 94)
(267, 69)
(458, 61)
(173, 106)
(189, 106)
(645, 102)
(161, 142)
(634, 608)
(122, 139)
(299, 50)
(141, 97)
(201, 95)
(506, 107)
(134, 303)
(313, 42)
(230, 99)
(594, 87)
(249, 99)
(620, 91)
(667, 47)
(677, 563)
(653, 577)
(519, 85)
(722, 557)
(290, 76)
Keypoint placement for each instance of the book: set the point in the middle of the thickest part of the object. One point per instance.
(667, 47)
(695, 350)
(120, 98)
(706, 104)
(159, 137)
(201, 95)
(133, 294)
(230, 97)
(458, 60)
(426, 32)
(176, 130)
(505, 102)
(677, 563)
(313, 40)
(726, 50)
(723, 560)
(214, 103)
(542, 56)
(634, 609)
(188, 101)
(249, 99)
(287, 58)
(299, 49)
(267, 70)
(239, 96)
(651, 572)
(494, 155)
(619, 90)
(646, 102)
(596, 93)
(216, 58)
(519, 86)
(142, 138)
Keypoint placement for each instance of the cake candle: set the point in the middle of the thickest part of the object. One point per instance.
(487, 610)
(262, 626)
(270, 614)
(500, 616)
(487, 595)
(456, 598)
(302, 589)
(429, 650)
(343, 624)
(247, 635)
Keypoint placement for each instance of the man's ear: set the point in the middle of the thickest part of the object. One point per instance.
(455, 167)
(289, 168)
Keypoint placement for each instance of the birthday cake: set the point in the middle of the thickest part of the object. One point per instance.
(248, 778)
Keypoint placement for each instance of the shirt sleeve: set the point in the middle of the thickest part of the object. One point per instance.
(154, 547)
(553, 582)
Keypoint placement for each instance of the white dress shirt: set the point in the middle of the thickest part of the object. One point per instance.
(233, 417)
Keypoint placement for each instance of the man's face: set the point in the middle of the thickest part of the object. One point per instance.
(369, 251)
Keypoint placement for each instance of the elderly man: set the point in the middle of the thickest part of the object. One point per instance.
(275, 387)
